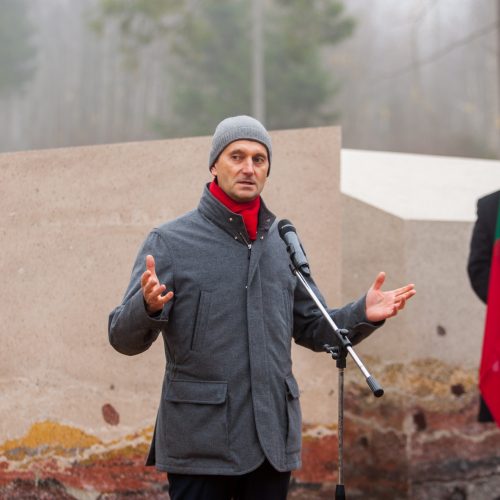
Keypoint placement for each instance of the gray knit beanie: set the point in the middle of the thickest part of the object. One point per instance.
(238, 128)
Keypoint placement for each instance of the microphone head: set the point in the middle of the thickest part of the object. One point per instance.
(285, 226)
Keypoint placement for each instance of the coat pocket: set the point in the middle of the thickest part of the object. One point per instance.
(294, 416)
(202, 317)
(196, 419)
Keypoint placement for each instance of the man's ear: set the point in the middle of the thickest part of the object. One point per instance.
(213, 170)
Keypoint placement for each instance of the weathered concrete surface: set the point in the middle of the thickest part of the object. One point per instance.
(71, 222)
(76, 417)
(65, 462)
(445, 319)
(412, 217)
(421, 440)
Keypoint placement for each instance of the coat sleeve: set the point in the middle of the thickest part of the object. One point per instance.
(312, 330)
(481, 247)
(131, 330)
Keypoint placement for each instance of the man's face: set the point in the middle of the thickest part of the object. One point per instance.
(241, 170)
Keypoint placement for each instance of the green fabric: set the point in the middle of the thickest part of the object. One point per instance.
(497, 232)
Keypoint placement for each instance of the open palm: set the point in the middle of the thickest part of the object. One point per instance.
(381, 305)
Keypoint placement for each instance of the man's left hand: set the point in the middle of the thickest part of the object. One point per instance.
(381, 305)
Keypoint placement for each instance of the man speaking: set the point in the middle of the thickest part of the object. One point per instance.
(216, 284)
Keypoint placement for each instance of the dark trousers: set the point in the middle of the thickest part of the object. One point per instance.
(264, 483)
(484, 412)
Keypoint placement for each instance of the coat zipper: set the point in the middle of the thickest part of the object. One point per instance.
(247, 243)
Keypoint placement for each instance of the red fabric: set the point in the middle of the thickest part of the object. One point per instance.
(249, 210)
(489, 372)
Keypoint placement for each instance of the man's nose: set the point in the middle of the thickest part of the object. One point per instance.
(248, 166)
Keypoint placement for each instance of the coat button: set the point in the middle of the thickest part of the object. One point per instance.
(236, 237)
(230, 219)
(262, 237)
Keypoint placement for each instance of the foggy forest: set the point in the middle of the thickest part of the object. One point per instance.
(419, 76)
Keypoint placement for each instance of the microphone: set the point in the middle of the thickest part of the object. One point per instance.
(294, 248)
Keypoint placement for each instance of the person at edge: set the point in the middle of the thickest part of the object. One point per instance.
(479, 263)
(216, 284)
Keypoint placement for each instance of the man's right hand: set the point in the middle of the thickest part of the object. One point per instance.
(151, 288)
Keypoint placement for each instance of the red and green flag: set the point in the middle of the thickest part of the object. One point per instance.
(489, 372)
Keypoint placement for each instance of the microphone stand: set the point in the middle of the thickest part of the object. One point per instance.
(339, 353)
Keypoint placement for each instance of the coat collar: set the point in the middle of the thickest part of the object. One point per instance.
(228, 221)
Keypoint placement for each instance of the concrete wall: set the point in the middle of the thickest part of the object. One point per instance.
(76, 417)
(71, 222)
(412, 217)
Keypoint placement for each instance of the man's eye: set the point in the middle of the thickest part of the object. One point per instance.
(235, 157)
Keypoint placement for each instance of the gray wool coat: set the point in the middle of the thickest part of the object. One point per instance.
(229, 397)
